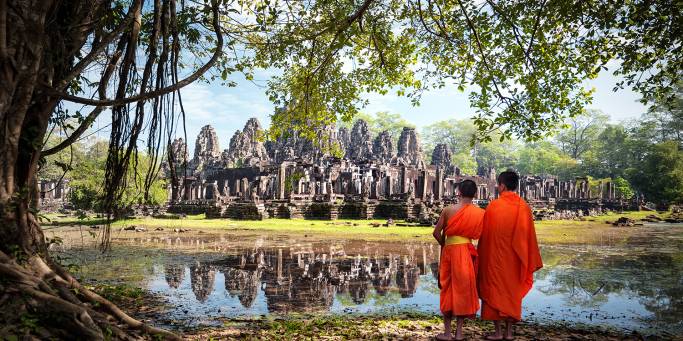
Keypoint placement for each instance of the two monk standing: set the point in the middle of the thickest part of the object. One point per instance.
(500, 270)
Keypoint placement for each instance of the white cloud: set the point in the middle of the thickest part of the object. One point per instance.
(226, 109)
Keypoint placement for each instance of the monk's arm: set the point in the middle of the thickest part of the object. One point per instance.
(438, 228)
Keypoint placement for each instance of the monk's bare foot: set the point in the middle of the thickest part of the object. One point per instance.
(493, 337)
(444, 337)
(509, 336)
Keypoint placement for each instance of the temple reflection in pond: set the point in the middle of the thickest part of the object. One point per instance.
(303, 280)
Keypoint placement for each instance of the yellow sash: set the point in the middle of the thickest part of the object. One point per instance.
(452, 240)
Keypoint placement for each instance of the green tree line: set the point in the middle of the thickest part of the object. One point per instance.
(643, 155)
(82, 166)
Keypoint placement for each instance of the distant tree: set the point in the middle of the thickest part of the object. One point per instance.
(457, 134)
(58, 164)
(393, 123)
(668, 117)
(86, 172)
(465, 162)
(497, 154)
(581, 133)
(623, 188)
(468, 153)
(381, 121)
(612, 155)
(544, 158)
(660, 175)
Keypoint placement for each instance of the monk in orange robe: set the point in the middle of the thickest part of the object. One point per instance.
(457, 226)
(508, 257)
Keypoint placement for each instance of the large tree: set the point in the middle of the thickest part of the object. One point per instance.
(123, 55)
(660, 175)
(526, 61)
(581, 132)
(470, 154)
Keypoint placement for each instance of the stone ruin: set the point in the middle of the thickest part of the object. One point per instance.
(293, 177)
(53, 194)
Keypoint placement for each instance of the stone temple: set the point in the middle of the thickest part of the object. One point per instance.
(367, 177)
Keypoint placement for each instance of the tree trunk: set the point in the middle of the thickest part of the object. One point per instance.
(31, 49)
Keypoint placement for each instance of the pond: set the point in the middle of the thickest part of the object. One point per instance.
(209, 277)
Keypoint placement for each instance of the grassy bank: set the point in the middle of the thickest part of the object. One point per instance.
(407, 326)
(589, 230)
(392, 326)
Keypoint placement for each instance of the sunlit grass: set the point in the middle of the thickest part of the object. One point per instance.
(588, 230)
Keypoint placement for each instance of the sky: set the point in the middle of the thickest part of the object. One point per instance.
(227, 109)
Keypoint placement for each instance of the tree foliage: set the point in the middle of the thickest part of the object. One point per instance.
(85, 181)
(468, 154)
(660, 174)
(667, 116)
(623, 188)
(581, 133)
(382, 121)
(544, 158)
(525, 61)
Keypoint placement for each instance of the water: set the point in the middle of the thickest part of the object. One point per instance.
(633, 286)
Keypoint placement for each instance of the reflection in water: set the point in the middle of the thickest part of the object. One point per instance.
(632, 286)
(202, 277)
(243, 284)
(302, 280)
(174, 275)
(604, 287)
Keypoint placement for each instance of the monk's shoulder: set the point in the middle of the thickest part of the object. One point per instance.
(448, 211)
(493, 204)
(478, 210)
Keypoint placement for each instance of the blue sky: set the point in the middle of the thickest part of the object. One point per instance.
(227, 109)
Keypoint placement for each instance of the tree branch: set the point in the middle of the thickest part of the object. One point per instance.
(96, 50)
(484, 57)
(160, 92)
(515, 32)
(104, 80)
(347, 23)
(533, 32)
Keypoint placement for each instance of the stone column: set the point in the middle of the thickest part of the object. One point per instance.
(403, 179)
(438, 190)
(425, 179)
(281, 175)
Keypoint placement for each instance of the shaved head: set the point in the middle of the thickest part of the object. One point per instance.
(509, 179)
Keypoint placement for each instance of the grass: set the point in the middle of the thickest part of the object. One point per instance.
(359, 229)
(590, 230)
(403, 326)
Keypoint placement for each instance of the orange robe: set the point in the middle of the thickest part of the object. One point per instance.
(508, 257)
(457, 274)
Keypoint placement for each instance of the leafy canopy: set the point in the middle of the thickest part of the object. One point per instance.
(523, 61)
